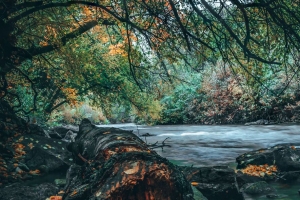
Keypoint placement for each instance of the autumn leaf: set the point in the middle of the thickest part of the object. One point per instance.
(30, 145)
(34, 172)
(194, 183)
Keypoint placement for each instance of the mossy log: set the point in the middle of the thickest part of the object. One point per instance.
(116, 164)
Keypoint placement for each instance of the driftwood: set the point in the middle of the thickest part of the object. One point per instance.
(116, 164)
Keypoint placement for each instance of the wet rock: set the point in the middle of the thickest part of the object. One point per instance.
(285, 156)
(214, 182)
(272, 196)
(60, 182)
(289, 176)
(260, 187)
(70, 136)
(48, 152)
(19, 191)
(243, 179)
(197, 194)
(54, 134)
(33, 155)
(60, 132)
(43, 169)
(260, 122)
(37, 130)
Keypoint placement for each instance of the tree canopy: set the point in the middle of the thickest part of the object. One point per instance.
(113, 50)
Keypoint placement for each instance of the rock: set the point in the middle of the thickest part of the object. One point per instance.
(260, 188)
(289, 176)
(60, 132)
(48, 152)
(197, 194)
(272, 196)
(24, 148)
(43, 169)
(243, 179)
(37, 130)
(69, 137)
(216, 182)
(258, 122)
(33, 155)
(54, 134)
(60, 182)
(285, 156)
(19, 191)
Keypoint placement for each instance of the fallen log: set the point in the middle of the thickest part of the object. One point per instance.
(112, 163)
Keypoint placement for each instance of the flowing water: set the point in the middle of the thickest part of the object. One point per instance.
(203, 145)
(208, 145)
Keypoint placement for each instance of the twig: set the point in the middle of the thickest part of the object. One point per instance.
(82, 158)
(153, 146)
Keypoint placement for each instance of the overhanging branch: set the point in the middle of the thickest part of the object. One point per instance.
(45, 49)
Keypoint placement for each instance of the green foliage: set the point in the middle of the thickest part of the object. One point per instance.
(74, 114)
(26, 96)
(114, 54)
(224, 97)
(176, 104)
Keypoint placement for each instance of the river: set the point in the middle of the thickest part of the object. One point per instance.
(208, 145)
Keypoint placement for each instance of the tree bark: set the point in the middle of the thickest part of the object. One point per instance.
(116, 164)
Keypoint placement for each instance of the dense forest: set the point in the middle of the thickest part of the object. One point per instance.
(68, 65)
(159, 62)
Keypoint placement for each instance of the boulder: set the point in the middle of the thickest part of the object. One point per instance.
(19, 191)
(258, 188)
(37, 130)
(70, 136)
(60, 182)
(33, 155)
(285, 156)
(216, 182)
(243, 179)
(60, 132)
(197, 194)
(51, 153)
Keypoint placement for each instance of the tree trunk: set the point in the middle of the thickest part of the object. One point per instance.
(115, 164)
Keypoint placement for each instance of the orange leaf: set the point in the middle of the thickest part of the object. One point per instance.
(194, 183)
(55, 198)
(30, 145)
